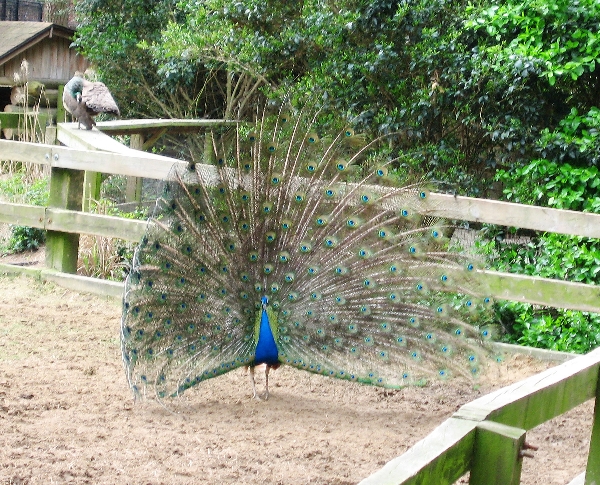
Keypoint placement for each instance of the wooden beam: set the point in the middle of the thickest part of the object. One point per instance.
(133, 190)
(64, 220)
(21, 151)
(592, 472)
(66, 188)
(443, 456)
(86, 284)
(440, 458)
(541, 397)
(132, 162)
(61, 112)
(95, 224)
(92, 182)
(542, 291)
(496, 455)
(514, 215)
(22, 215)
(152, 139)
(74, 137)
(135, 163)
(74, 282)
(502, 286)
(126, 127)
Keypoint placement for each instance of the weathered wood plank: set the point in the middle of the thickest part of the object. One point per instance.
(543, 291)
(92, 182)
(129, 162)
(66, 189)
(22, 215)
(13, 269)
(592, 471)
(514, 215)
(21, 151)
(122, 127)
(64, 220)
(112, 289)
(440, 458)
(496, 459)
(535, 353)
(522, 405)
(81, 139)
(95, 224)
(133, 190)
(140, 164)
(538, 398)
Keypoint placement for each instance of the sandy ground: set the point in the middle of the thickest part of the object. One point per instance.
(67, 416)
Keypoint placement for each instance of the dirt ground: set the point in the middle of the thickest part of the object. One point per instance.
(67, 416)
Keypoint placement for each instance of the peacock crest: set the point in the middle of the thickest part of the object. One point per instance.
(287, 250)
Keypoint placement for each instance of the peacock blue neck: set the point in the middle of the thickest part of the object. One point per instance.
(266, 348)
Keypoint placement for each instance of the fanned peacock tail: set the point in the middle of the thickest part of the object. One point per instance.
(352, 280)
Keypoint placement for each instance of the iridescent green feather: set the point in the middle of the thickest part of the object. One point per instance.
(357, 280)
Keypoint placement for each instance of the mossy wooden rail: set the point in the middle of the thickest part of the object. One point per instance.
(485, 437)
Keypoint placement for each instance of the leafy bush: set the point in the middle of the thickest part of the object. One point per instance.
(25, 238)
(564, 330)
(558, 256)
(17, 188)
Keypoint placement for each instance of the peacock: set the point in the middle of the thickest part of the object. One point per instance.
(298, 247)
(85, 100)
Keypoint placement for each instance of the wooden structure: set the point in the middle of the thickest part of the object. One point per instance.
(45, 46)
(50, 63)
(485, 437)
(26, 10)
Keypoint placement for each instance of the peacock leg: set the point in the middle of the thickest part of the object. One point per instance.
(267, 367)
(253, 382)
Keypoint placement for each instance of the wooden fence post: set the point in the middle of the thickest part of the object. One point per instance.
(61, 113)
(133, 191)
(496, 457)
(592, 472)
(92, 182)
(66, 190)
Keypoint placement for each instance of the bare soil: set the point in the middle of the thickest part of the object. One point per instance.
(67, 415)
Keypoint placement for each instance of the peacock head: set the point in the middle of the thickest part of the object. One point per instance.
(75, 86)
(265, 301)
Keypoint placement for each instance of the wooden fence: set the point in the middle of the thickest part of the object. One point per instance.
(485, 437)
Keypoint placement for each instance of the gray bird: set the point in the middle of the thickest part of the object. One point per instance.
(86, 99)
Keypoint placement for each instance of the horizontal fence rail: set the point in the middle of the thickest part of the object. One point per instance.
(147, 165)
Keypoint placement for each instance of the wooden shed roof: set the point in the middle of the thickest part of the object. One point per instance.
(19, 36)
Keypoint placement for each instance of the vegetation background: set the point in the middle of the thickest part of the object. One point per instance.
(498, 100)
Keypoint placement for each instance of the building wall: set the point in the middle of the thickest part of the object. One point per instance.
(48, 59)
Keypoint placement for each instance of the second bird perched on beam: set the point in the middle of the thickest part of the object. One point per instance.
(85, 99)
